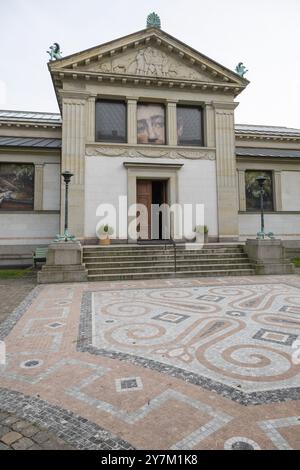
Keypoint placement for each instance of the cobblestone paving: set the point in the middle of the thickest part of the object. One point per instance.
(13, 292)
(20, 434)
(189, 364)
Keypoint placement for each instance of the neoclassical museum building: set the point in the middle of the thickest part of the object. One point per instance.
(148, 118)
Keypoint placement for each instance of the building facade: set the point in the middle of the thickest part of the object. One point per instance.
(150, 119)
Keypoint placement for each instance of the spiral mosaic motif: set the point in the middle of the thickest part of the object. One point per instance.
(239, 335)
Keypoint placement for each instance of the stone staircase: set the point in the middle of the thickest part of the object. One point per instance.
(125, 262)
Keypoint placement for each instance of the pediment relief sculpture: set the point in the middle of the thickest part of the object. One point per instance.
(148, 62)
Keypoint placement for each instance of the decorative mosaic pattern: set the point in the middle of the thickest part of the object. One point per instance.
(240, 443)
(154, 363)
(129, 384)
(199, 337)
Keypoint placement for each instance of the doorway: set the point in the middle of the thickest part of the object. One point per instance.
(151, 194)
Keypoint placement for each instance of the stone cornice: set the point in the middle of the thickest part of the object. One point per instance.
(29, 125)
(138, 151)
(266, 137)
(144, 82)
(169, 166)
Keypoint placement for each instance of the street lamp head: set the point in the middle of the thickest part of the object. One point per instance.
(261, 181)
(67, 175)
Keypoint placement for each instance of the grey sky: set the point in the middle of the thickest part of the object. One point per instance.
(264, 34)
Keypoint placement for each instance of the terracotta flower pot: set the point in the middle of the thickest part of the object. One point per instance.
(104, 241)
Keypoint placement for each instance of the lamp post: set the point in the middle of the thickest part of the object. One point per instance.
(67, 175)
(261, 235)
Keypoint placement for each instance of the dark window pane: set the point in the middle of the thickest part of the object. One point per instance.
(16, 186)
(189, 126)
(252, 190)
(151, 124)
(110, 121)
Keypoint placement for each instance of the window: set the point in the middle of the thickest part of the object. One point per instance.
(111, 121)
(151, 124)
(16, 186)
(253, 193)
(189, 126)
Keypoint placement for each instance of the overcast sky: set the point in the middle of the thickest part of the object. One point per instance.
(264, 34)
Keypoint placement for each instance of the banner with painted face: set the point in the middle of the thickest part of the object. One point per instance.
(16, 186)
(151, 124)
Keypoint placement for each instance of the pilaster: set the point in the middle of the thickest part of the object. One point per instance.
(277, 191)
(73, 159)
(90, 118)
(209, 125)
(38, 187)
(131, 121)
(171, 123)
(226, 172)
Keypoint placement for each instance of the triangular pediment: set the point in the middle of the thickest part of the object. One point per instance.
(150, 53)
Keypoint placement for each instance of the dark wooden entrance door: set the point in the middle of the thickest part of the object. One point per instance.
(144, 196)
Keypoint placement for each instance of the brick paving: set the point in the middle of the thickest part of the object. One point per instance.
(15, 433)
(203, 363)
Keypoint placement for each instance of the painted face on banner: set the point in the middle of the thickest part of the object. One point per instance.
(150, 124)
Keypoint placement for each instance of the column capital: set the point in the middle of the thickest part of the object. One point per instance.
(170, 101)
(76, 95)
(219, 106)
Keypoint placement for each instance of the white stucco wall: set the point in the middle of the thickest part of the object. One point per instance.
(290, 186)
(51, 187)
(282, 225)
(106, 179)
(28, 228)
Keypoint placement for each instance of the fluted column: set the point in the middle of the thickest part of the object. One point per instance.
(38, 187)
(131, 121)
(171, 123)
(226, 172)
(73, 159)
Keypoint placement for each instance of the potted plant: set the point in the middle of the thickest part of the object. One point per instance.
(200, 230)
(104, 232)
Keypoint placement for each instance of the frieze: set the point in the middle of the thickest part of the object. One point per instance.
(195, 154)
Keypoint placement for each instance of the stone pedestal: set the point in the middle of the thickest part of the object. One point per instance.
(268, 257)
(64, 264)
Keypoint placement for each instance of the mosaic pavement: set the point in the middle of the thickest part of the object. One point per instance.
(167, 364)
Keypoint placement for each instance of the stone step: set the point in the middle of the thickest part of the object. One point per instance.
(169, 260)
(179, 253)
(128, 247)
(158, 275)
(167, 267)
